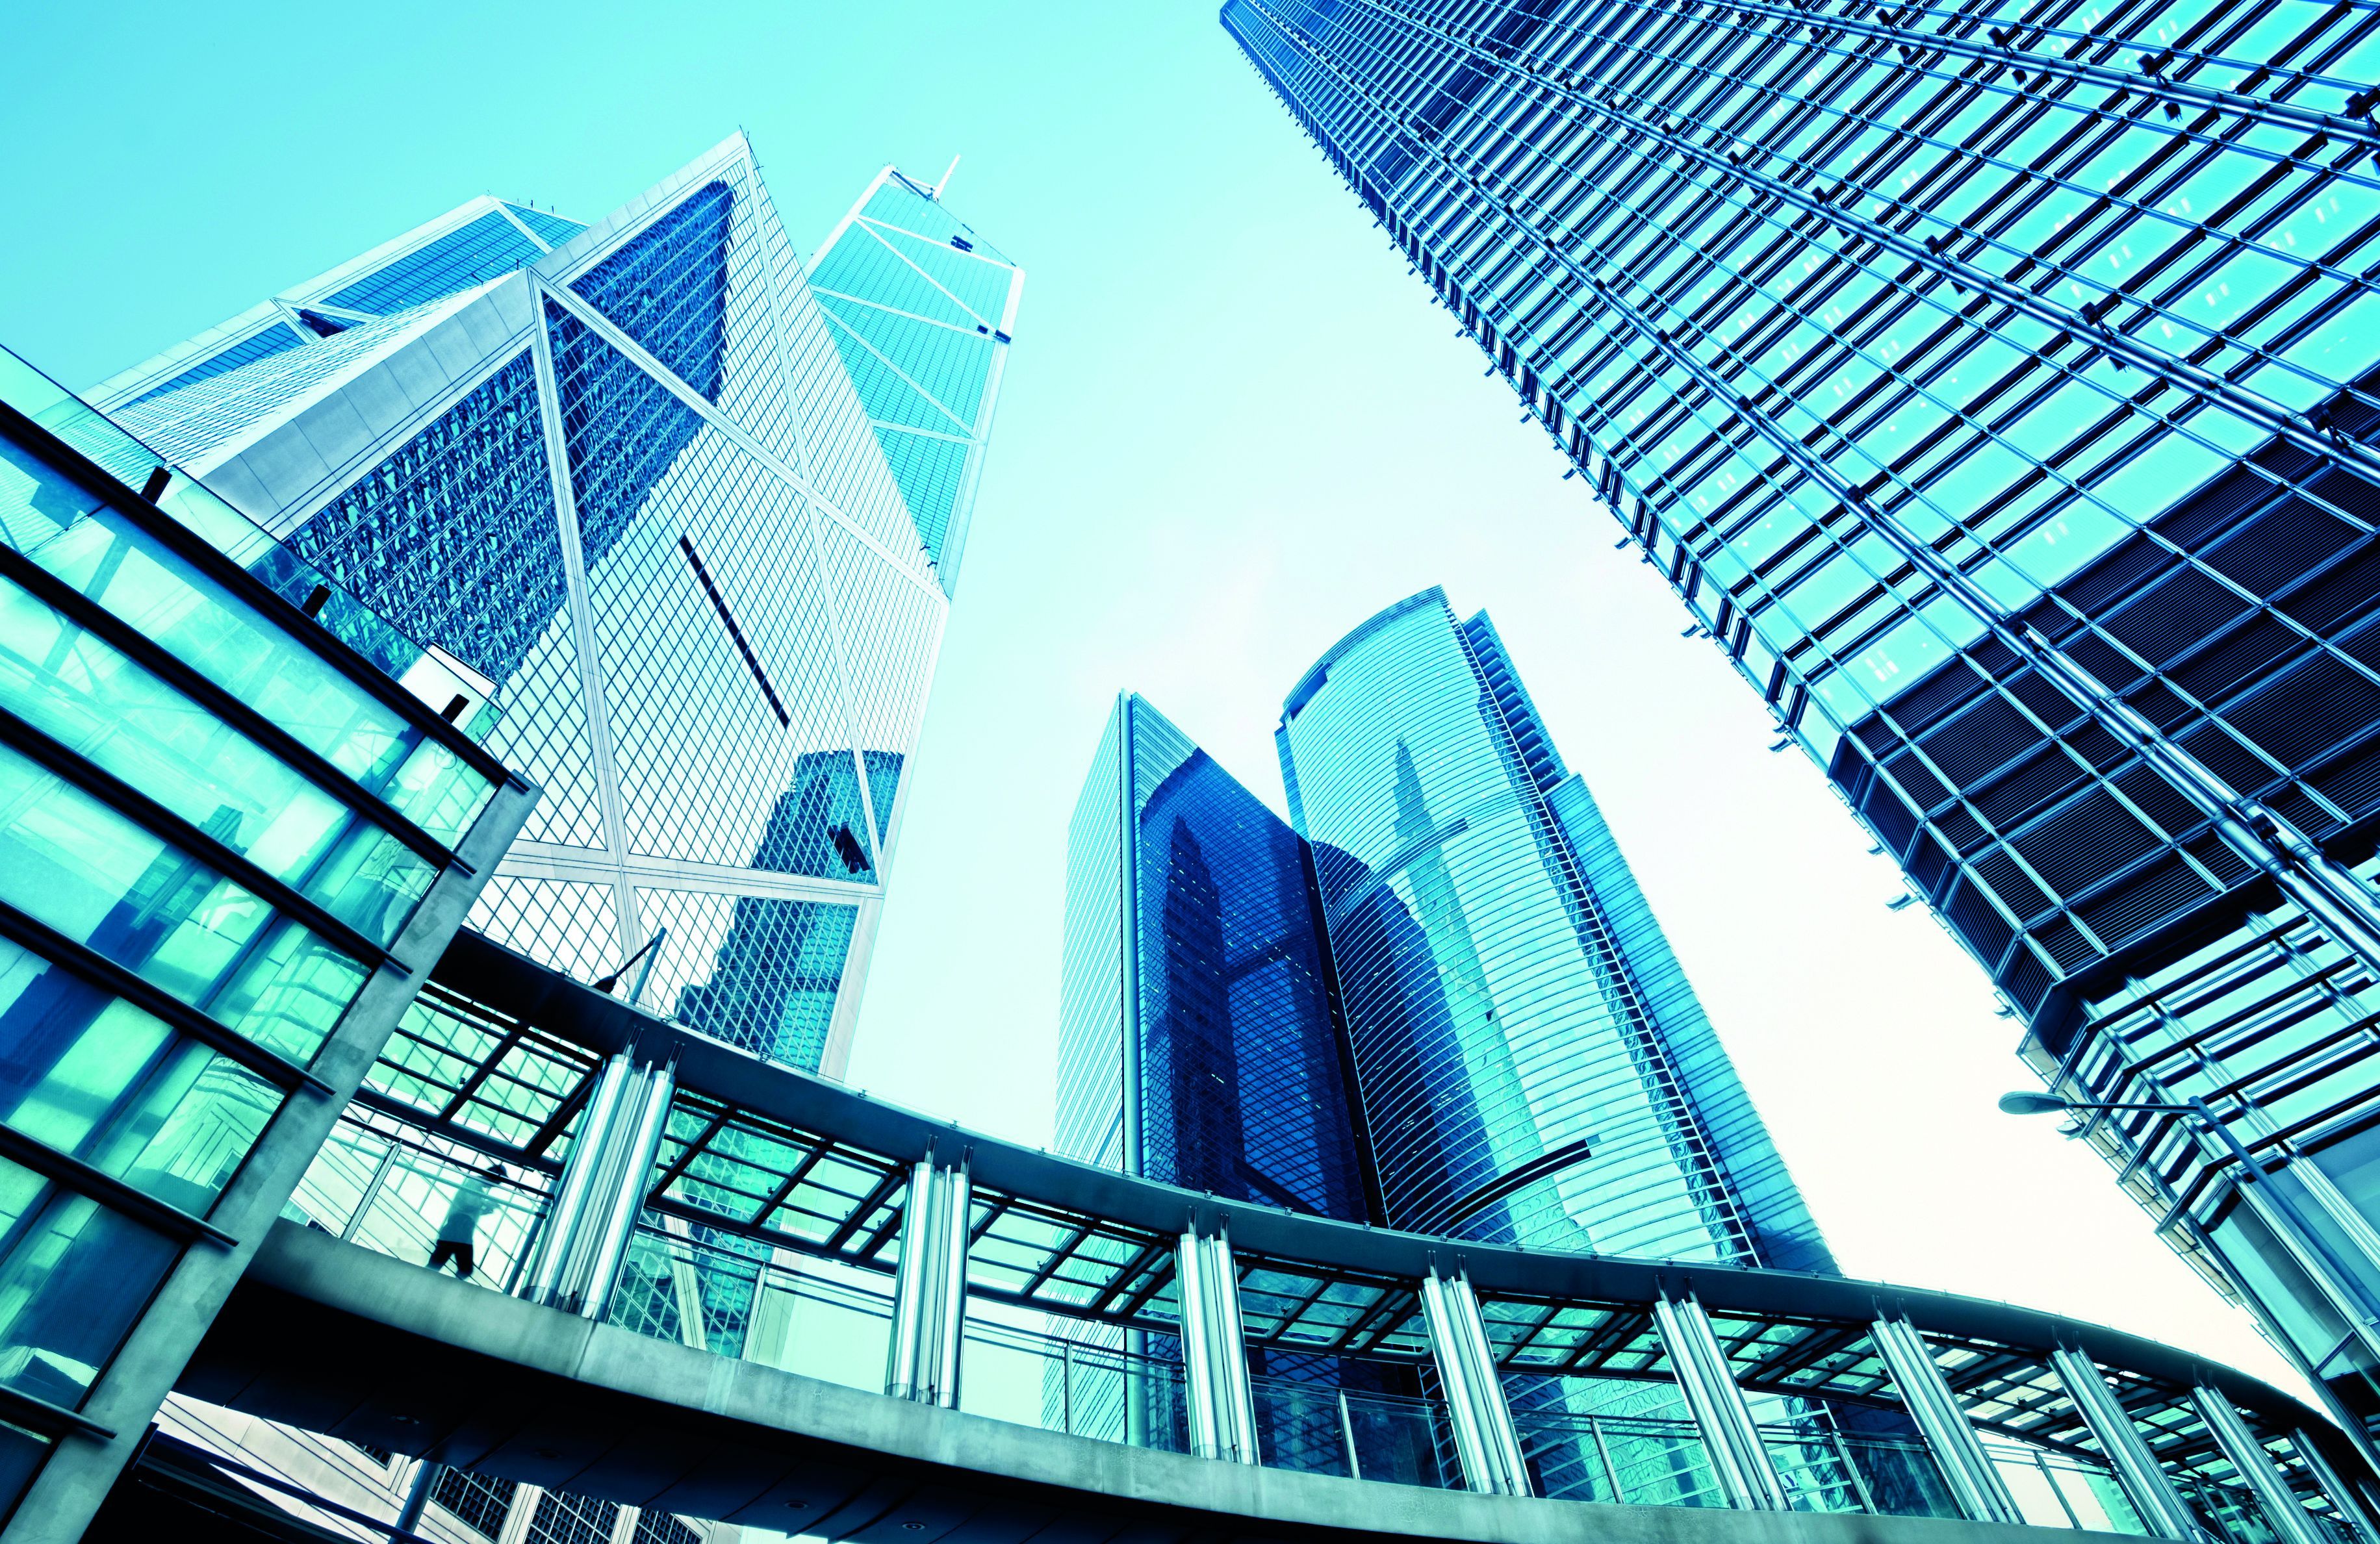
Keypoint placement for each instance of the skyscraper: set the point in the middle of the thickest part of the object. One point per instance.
(688, 520)
(1198, 1040)
(1997, 391)
(1534, 1065)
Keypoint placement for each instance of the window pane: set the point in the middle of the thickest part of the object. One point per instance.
(83, 869)
(73, 1278)
(134, 576)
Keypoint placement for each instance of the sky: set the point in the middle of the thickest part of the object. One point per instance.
(1233, 427)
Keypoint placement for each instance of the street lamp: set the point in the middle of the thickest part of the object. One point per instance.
(2025, 1102)
(2309, 1239)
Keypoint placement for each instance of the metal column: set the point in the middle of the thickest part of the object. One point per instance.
(1975, 1483)
(585, 1241)
(2162, 1510)
(1214, 1349)
(1485, 1439)
(2280, 1505)
(929, 1289)
(2353, 1506)
(1729, 1433)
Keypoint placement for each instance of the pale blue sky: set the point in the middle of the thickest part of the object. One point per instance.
(1233, 428)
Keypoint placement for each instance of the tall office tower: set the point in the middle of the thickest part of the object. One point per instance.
(1534, 1067)
(1997, 386)
(692, 523)
(1198, 1041)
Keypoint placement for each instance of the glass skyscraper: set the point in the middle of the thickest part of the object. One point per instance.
(687, 514)
(1453, 1012)
(1535, 1068)
(1198, 1038)
(1995, 386)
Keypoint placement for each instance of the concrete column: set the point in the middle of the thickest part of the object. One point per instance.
(2290, 1520)
(1485, 1439)
(1730, 1434)
(2162, 1510)
(929, 1288)
(1214, 1350)
(585, 1241)
(1942, 1421)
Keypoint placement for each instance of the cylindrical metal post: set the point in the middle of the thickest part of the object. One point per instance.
(917, 1253)
(2280, 1505)
(1487, 1443)
(1975, 1484)
(557, 1240)
(930, 1286)
(640, 1140)
(2350, 1505)
(1214, 1356)
(2163, 1511)
(1730, 1435)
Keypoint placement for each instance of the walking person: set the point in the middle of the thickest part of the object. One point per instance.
(460, 1231)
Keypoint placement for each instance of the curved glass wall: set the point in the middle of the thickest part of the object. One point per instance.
(1516, 1074)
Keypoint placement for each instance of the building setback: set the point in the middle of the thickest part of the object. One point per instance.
(1997, 391)
(690, 516)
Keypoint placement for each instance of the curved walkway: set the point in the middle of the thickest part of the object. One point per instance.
(344, 1341)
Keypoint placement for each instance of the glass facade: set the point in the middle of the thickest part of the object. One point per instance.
(1198, 1041)
(1534, 1067)
(636, 481)
(1995, 386)
(921, 308)
(215, 828)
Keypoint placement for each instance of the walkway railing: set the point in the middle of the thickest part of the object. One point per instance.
(754, 1214)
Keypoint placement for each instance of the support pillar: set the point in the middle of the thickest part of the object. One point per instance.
(2290, 1520)
(2353, 1506)
(585, 1241)
(1214, 1349)
(1485, 1441)
(2162, 1510)
(1975, 1483)
(929, 1288)
(1730, 1434)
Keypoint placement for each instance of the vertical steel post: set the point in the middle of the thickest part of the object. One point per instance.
(929, 1286)
(1975, 1483)
(1485, 1441)
(2151, 1490)
(2280, 1505)
(1214, 1350)
(1730, 1434)
(585, 1241)
(564, 1220)
(1347, 1435)
(2352, 1506)
(644, 1113)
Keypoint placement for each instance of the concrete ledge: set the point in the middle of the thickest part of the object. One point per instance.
(334, 1337)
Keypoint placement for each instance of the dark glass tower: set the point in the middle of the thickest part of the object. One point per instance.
(1996, 385)
(1198, 1040)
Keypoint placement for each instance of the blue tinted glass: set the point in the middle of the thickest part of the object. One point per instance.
(486, 248)
(773, 984)
(623, 429)
(452, 538)
(273, 339)
(667, 289)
